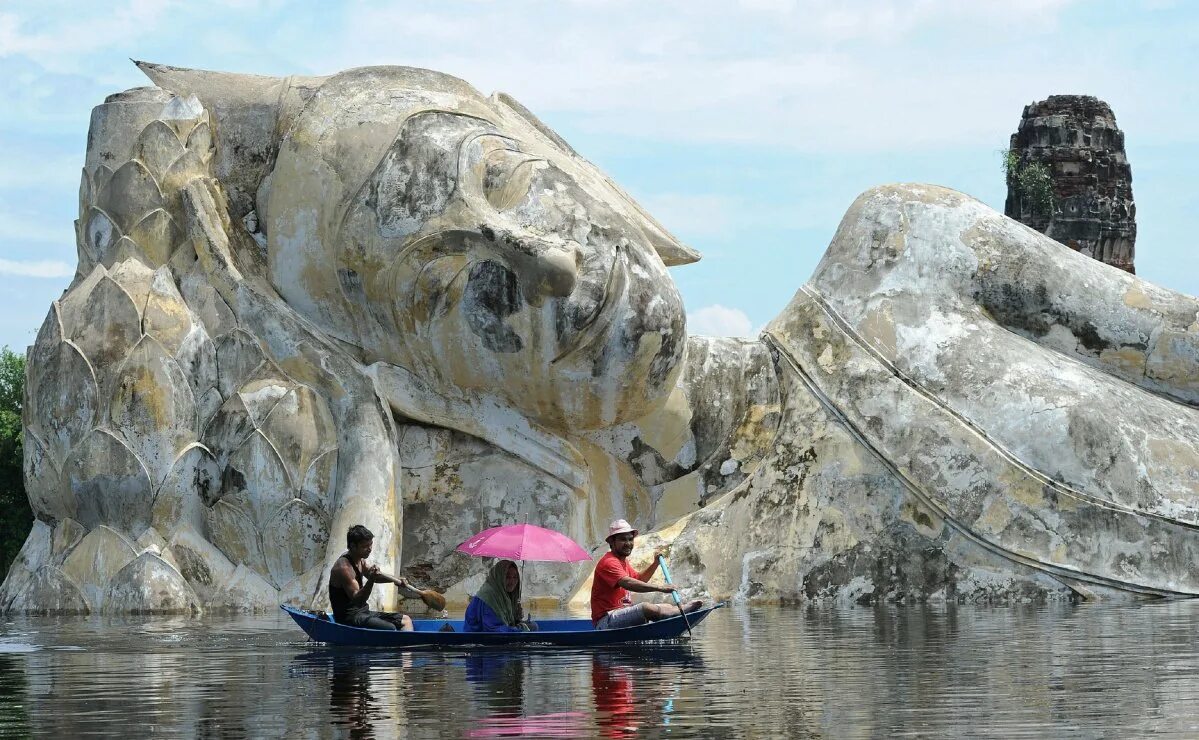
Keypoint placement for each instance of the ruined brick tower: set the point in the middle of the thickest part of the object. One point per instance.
(1070, 145)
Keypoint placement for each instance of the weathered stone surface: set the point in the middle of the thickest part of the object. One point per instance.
(289, 540)
(244, 591)
(401, 303)
(455, 485)
(200, 563)
(49, 591)
(108, 485)
(1076, 138)
(149, 585)
(98, 557)
(34, 553)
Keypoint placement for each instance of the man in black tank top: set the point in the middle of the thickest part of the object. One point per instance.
(351, 582)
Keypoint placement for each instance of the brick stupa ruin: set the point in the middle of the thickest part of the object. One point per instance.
(1076, 138)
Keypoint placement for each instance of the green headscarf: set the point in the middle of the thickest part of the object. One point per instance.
(504, 604)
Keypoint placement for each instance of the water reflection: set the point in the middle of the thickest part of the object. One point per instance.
(1089, 670)
(14, 718)
(345, 677)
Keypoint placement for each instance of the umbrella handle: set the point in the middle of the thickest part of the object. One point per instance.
(675, 594)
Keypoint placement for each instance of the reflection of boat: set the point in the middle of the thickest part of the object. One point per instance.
(573, 632)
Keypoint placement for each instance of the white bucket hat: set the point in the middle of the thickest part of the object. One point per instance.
(620, 526)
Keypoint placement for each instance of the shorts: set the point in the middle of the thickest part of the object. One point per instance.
(625, 616)
(374, 620)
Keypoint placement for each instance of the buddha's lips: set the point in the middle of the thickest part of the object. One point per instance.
(597, 326)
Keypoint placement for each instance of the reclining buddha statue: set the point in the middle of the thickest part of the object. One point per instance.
(381, 297)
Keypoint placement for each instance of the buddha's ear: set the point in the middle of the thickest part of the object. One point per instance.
(672, 251)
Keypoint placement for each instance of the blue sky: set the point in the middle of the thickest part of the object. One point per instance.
(747, 127)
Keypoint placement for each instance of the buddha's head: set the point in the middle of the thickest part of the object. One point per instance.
(456, 236)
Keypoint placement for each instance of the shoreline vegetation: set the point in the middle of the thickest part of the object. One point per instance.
(16, 517)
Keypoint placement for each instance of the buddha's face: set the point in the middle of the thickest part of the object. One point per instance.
(512, 270)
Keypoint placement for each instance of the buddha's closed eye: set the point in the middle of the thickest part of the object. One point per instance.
(508, 175)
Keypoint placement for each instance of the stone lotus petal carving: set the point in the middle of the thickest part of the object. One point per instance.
(153, 408)
(260, 397)
(34, 552)
(149, 585)
(317, 488)
(49, 591)
(99, 180)
(197, 358)
(130, 195)
(246, 591)
(67, 534)
(151, 539)
(256, 474)
(135, 278)
(155, 236)
(100, 301)
(49, 336)
(200, 562)
(157, 147)
(44, 483)
(208, 305)
(200, 139)
(238, 356)
(194, 481)
(100, 235)
(304, 588)
(294, 541)
(229, 428)
(273, 440)
(207, 406)
(231, 529)
(300, 427)
(99, 556)
(65, 401)
(108, 484)
(192, 164)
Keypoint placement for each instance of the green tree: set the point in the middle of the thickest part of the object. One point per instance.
(15, 515)
(1032, 182)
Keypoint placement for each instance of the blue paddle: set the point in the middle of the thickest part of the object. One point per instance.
(675, 594)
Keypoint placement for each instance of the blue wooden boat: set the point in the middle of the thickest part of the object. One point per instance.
(568, 632)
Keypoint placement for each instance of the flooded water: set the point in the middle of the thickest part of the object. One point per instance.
(1084, 670)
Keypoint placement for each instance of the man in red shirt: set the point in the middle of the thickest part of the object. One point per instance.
(611, 607)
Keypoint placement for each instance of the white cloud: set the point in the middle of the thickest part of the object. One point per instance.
(64, 32)
(36, 268)
(719, 321)
(816, 77)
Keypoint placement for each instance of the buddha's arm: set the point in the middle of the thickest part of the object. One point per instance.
(976, 320)
(955, 255)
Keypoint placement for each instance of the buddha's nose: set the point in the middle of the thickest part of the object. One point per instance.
(547, 267)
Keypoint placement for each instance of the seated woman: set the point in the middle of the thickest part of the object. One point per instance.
(496, 607)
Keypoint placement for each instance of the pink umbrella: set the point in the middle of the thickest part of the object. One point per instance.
(524, 542)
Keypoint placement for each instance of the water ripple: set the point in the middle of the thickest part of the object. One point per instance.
(1087, 670)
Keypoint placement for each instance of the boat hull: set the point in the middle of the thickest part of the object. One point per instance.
(568, 632)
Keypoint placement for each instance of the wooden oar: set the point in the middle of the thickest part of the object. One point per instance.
(675, 594)
(432, 599)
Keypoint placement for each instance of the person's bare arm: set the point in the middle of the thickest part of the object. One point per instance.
(374, 575)
(641, 587)
(343, 577)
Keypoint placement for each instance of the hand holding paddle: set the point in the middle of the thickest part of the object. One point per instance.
(675, 594)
